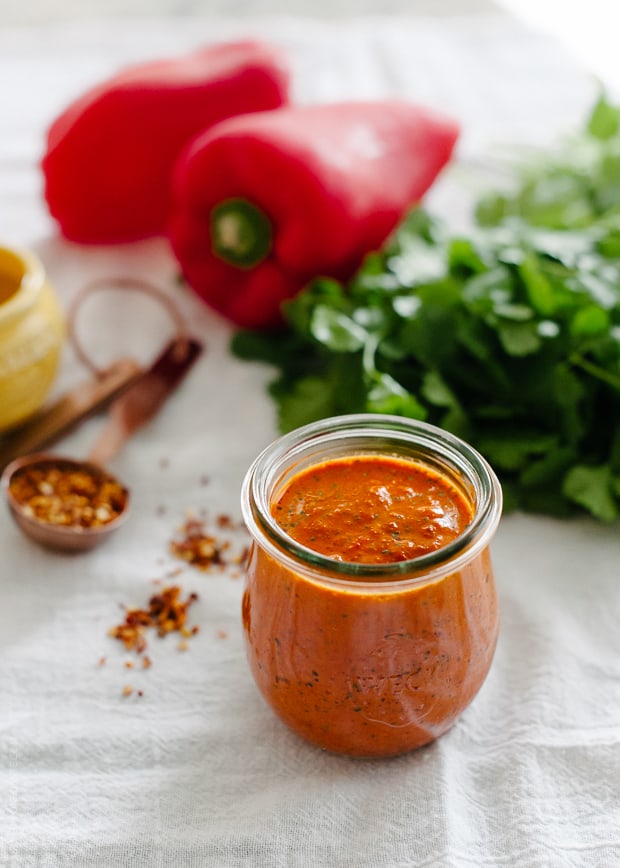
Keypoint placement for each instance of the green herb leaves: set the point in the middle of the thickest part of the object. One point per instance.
(509, 337)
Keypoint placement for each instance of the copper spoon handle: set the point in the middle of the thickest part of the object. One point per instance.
(67, 411)
(143, 398)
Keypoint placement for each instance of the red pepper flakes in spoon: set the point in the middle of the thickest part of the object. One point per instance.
(57, 492)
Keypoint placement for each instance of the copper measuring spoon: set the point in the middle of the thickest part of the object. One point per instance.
(135, 406)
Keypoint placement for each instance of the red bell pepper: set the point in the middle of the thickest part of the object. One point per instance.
(265, 202)
(110, 154)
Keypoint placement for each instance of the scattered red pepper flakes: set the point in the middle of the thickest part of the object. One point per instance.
(166, 613)
(242, 557)
(201, 548)
(197, 546)
(128, 690)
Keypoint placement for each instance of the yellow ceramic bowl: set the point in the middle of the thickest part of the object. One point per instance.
(32, 330)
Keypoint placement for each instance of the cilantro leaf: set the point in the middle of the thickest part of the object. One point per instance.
(508, 336)
(592, 487)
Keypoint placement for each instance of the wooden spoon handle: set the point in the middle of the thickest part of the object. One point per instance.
(143, 398)
(64, 414)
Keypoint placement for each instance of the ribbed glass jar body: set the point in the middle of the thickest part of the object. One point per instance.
(370, 659)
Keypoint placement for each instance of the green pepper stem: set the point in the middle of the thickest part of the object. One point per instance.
(241, 233)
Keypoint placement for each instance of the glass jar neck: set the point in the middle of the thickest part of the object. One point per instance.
(364, 434)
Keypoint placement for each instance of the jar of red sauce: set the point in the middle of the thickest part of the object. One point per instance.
(370, 609)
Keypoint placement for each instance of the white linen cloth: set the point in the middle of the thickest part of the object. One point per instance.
(198, 771)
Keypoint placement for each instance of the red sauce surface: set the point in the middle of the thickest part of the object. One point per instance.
(372, 509)
(369, 670)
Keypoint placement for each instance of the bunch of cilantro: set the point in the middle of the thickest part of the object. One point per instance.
(508, 337)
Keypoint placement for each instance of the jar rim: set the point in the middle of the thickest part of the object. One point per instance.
(263, 474)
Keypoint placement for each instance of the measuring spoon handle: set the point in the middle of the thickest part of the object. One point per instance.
(143, 398)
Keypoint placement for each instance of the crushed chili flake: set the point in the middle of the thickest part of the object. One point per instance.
(200, 547)
(166, 613)
(242, 557)
(127, 690)
(62, 493)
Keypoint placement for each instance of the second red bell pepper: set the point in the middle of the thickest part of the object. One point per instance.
(265, 202)
(110, 154)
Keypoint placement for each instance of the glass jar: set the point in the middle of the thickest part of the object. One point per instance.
(370, 659)
(31, 335)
